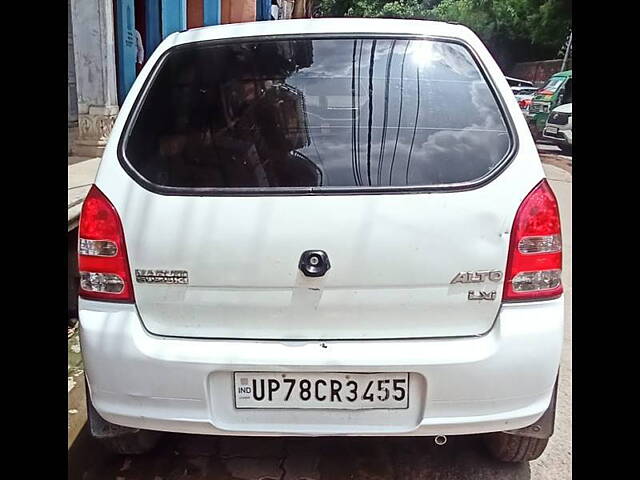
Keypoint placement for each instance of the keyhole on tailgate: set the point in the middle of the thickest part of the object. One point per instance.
(314, 263)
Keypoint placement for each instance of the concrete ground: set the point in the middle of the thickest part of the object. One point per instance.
(181, 457)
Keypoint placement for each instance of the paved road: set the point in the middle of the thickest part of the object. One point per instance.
(181, 457)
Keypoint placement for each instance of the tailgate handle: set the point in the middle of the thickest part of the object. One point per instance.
(314, 263)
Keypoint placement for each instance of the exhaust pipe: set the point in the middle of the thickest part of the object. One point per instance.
(440, 440)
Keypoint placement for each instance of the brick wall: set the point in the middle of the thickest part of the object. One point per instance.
(538, 72)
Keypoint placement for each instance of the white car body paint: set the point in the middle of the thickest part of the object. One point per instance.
(387, 305)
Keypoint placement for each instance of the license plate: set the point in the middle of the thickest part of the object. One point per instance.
(553, 130)
(343, 391)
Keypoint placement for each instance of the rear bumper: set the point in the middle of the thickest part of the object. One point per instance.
(500, 381)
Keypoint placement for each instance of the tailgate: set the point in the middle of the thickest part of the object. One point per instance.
(392, 257)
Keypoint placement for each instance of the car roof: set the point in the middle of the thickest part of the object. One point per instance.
(356, 26)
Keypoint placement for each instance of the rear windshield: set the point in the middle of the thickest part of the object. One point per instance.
(332, 113)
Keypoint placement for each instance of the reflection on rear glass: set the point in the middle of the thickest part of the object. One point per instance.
(317, 113)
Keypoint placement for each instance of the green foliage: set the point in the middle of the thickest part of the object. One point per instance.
(377, 8)
(510, 19)
(334, 8)
(398, 9)
(502, 24)
(551, 23)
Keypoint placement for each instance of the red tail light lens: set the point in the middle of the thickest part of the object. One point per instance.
(534, 266)
(102, 255)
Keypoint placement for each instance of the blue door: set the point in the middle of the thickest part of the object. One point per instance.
(174, 16)
(263, 9)
(126, 46)
(211, 12)
(153, 26)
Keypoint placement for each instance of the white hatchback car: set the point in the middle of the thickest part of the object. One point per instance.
(322, 227)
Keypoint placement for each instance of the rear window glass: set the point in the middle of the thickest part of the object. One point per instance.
(334, 113)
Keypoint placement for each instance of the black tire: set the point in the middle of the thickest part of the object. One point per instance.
(513, 448)
(142, 441)
(117, 439)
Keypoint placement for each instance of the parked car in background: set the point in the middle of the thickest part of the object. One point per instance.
(521, 92)
(524, 96)
(257, 258)
(557, 91)
(558, 128)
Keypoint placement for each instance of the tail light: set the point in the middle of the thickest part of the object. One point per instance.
(525, 102)
(534, 265)
(102, 255)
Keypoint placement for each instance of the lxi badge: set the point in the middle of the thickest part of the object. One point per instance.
(479, 276)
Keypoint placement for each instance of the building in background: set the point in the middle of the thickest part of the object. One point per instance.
(103, 52)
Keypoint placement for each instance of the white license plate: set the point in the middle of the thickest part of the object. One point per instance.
(350, 391)
(553, 130)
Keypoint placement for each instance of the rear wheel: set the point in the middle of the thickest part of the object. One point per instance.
(514, 448)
